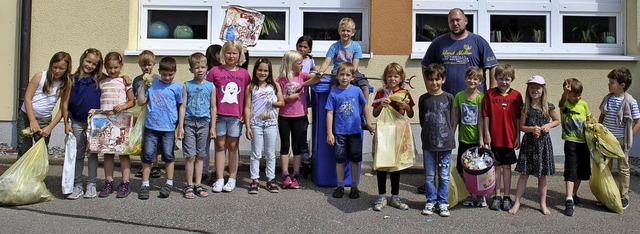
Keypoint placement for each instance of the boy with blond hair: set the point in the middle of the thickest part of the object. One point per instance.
(196, 124)
(501, 109)
(345, 104)
(146, 61)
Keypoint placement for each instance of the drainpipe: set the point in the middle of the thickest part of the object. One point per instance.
(25, 49)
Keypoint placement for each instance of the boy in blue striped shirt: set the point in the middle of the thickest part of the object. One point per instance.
(619, 113)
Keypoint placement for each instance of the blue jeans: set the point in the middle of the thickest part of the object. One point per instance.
(150, 145)
(264, 140)
(440, 160)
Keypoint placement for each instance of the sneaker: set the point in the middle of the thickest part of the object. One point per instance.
(354, 193)
(338, 192)
(295, 183)
(144, 193)
(217, 186)
(577, 201)
(381, 202)
(286, 183)
(625, 203)
(253, 188)
(230, 186)
(568, 208)
(428, 209)
(468, 201)
(107, 189)
(444, 210)
(77, 193)
(272, 186)
(482, 201)
(495, 204)
(165, 191)
(397, 203)
(123, 190)
(91, 191)
(506, 204)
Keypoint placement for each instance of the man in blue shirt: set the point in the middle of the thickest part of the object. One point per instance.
(459, 50)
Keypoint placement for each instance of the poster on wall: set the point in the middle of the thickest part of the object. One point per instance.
(242, 24)
(108, 132)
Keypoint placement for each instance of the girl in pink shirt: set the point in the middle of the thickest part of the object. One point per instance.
(230, 81)
(292, 119)
(117, 95)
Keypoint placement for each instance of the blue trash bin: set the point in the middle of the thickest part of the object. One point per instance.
(324, 161)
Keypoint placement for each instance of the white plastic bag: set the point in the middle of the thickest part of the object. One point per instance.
(69, 168)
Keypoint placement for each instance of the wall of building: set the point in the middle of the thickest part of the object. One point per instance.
(109, 26)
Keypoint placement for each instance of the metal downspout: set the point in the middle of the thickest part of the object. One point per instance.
(25, 49)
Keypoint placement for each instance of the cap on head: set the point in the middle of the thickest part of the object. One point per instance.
(536, 80)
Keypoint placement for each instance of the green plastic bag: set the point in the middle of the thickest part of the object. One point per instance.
(23, 183)
(457, 190)
(604, 187)
(134, 146)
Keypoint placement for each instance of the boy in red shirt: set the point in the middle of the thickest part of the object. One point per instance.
(501, 112)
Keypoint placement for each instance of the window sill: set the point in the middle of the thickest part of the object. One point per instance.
(252, 53)
(554, 57)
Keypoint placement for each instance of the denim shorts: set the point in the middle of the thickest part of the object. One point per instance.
(153, 139)
(196, 138)
(229, 126)
(348, 147)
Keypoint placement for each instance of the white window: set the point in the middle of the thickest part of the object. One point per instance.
(532, 29)
(197, 24)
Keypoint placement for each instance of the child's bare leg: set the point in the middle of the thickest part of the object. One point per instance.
(220, 156)
(355, 168)
(125, 166)
(232, 144)
(199, 167)
(506, 172)
(169, 167)
(188, 167)
(542, 189)
(498, 180)
(108, 166)
(340, 172)
(522, 185)
(296, 163)
(284, 163)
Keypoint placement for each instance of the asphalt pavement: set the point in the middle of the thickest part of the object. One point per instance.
(310, 209)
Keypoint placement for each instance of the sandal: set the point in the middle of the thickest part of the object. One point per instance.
(138, 173)
(188, 192)
(155, 172)
(201, 191)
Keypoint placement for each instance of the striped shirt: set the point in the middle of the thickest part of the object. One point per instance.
(114, 93)
(611, 115)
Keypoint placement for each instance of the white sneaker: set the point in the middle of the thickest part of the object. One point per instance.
(77, 193)
(230, 186)
(91, 191)
(217, 186)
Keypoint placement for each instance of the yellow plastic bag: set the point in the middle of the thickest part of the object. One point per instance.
(604, 188)
(394, 147)
(457, 190)
(134, 146)
(602, 143)
(23, 183)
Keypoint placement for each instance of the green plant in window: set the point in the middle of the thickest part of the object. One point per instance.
(538, 35)
(515, 37)
(586, 34)
(270, 24)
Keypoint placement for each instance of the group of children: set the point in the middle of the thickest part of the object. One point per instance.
(222, 96)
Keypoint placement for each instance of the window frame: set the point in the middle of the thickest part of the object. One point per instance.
(294, 12)
(555, 10)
